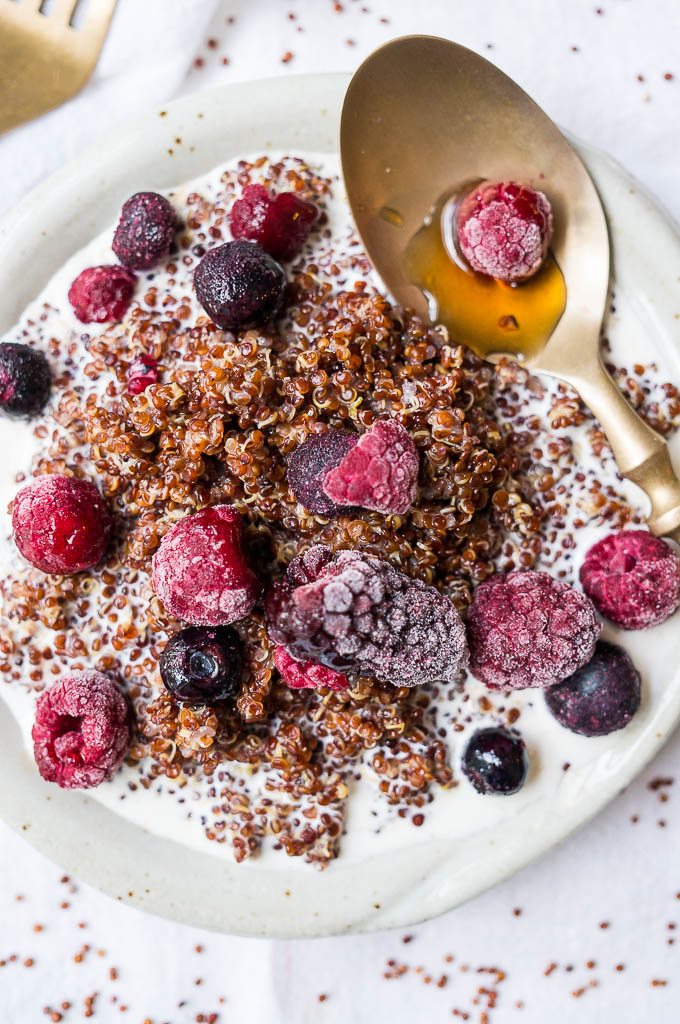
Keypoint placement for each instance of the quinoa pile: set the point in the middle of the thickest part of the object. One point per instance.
(499, 487)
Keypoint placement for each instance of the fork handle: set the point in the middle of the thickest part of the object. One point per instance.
(641, 454)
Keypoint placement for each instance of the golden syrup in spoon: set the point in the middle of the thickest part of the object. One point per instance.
(489, 316)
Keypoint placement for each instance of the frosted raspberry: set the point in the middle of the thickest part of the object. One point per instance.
(300, 675)
(599, 697)
(308, 566)
(279, 223)
(200, 571)
(527, 629)
(145, 231)
(309, 465)
(632, 578)
(81, 731)
(504, 229)
(362, 614)
(142, 373)
(61, 524)
(379, 473)
(99, 294)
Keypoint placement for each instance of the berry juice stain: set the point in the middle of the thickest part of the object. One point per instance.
(489, 316)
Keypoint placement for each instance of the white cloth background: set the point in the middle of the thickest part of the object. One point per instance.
(581, 62)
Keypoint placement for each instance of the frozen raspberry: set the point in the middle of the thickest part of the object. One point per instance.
(504, 229)
(495, 761)
(362, 614)
(279, 223)
(61, 524)
(308, 566)
(99, 294)
(145, 231)
(379, 473)
(632, 578)
(25, 380)
(142, 373)
(300, 675)
(601, 696)
(200, 571)
(239, 285)
(309, 465)
(81, 731)
(527, 629)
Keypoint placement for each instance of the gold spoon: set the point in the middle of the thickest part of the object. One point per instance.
(424, 116)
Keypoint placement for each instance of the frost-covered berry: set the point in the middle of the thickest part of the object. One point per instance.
(601, 696)
(145, 231)
(81, 731)
(100, 294)
(279, 223)
(632, 578)
(61, 524)
(239, 285)
(200, 570)
(308, 566)
(142, 373)
(25, 380)
(301, 675)
(504, 229)
(309, 465)
(380, 472)
(528, 629)
(202, 664)
(495, 761)
(362, 614)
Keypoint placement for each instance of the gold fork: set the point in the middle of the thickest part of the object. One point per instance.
(44, 60)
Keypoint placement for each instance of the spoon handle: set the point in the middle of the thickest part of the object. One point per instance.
(641, 454)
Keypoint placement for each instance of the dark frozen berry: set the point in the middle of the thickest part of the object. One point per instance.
(239, 285)
(308, 566)
(632, 578)
(309, 465)
(362, 614)
(495, 761)
(25, 380)
(200, 570)
(201, 665)
(145, 231)
(301, 675)
(504, 229)
(279, 223)
(61, 524)
(527, 629)
(142, 373)
(100, 294)
(600, 697)
(379, 473)
(81, 731)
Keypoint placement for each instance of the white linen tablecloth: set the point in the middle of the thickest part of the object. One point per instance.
(588, 933)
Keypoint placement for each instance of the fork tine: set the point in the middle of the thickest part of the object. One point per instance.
(62, 10)
(97, 17)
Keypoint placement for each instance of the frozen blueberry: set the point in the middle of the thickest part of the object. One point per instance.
(309, 465)
(25, 380)
(145, 231)
(239, 285)
(202, 665)
(599, 698)
(496, 761)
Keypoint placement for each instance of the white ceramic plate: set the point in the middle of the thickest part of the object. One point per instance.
(403, 880)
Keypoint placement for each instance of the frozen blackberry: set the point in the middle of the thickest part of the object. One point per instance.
(632, 578)
(308, 566)
(495, 761)
(600, 697)
(279, 223)
(25, 380)
(202, 665)
(362, 614)
(145, 231)
(309, 465)
(239, 285)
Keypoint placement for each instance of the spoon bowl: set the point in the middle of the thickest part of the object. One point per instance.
(424, 116)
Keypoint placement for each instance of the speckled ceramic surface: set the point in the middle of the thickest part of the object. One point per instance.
(407, 878)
